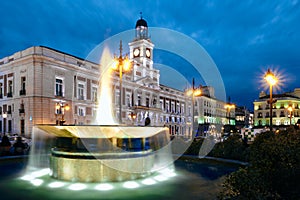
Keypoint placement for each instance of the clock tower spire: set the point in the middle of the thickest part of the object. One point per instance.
(141, 49)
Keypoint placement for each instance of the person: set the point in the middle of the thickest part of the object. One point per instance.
(5, 146)
(19, 146)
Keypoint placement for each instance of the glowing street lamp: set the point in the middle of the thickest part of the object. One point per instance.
(291, 109)
(60, 109)
(121, 65)
(193, 92)
(132, 117)
(271, 80)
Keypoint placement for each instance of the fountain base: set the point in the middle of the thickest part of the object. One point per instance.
(89, 167)
(104, 153)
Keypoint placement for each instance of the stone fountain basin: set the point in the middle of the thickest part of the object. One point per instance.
(104, 153)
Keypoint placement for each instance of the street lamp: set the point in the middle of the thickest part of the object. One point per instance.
(60, 110)
(291, 109)
(271, 80)
(193, 92)
(121, 65)
(132, 116)
(4, 115)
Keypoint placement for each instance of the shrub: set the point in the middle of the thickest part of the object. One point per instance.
(274, 170)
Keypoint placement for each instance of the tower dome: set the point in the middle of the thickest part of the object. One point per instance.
(141, 28)
(141, 22)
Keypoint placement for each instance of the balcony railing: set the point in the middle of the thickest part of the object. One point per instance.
(22, 92)
(9, 94)
(80, 98)
(59, 94)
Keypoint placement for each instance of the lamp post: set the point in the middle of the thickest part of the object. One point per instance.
(290, 109)
(121, 64)
(271, 80)
(60, 109)
(193, 92)
(132, 117)
(4, 115)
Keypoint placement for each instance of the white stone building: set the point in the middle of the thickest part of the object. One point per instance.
(34, 81)
(281, 115)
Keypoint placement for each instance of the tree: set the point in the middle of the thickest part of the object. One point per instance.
(274, 170)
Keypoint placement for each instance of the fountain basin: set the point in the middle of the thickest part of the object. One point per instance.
(104, 153)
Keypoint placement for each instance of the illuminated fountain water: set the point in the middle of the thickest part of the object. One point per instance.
(100, 153)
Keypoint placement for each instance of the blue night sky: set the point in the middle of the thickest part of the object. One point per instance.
(243, 38)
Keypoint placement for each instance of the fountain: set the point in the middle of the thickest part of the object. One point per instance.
(101, 153)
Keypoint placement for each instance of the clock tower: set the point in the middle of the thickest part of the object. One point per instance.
(141, 49)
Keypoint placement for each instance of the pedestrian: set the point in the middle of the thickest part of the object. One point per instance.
(5, 146)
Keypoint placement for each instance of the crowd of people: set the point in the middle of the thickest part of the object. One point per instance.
(17, 147)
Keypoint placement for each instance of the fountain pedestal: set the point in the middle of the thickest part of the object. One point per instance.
(104, 153)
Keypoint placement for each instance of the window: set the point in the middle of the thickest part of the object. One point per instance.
(9, 109)
(161, 104)
(10, 88)
(9, 126)
(259, 115)
(94, 93)
(80, 91)
(22, 109)
(128, 103)
(1, 90)
(23, 86)
(81, 111)
(59, 87)
(154, 102)
(139, 100)
(172, 107)
(167, 106)
(23, 83)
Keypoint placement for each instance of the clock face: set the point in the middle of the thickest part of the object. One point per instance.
(136, 52)
(148, 53)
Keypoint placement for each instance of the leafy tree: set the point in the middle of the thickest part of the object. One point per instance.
(274, 170)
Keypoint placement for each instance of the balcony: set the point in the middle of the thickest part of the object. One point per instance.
(9, 94)
(21, 111)
(80, 98)
(22, 92)
(59, 94)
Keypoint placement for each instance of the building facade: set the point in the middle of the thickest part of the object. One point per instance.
(285, 112)
(243, 118)
(211, 114)
(38, 84)
(34, 81)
